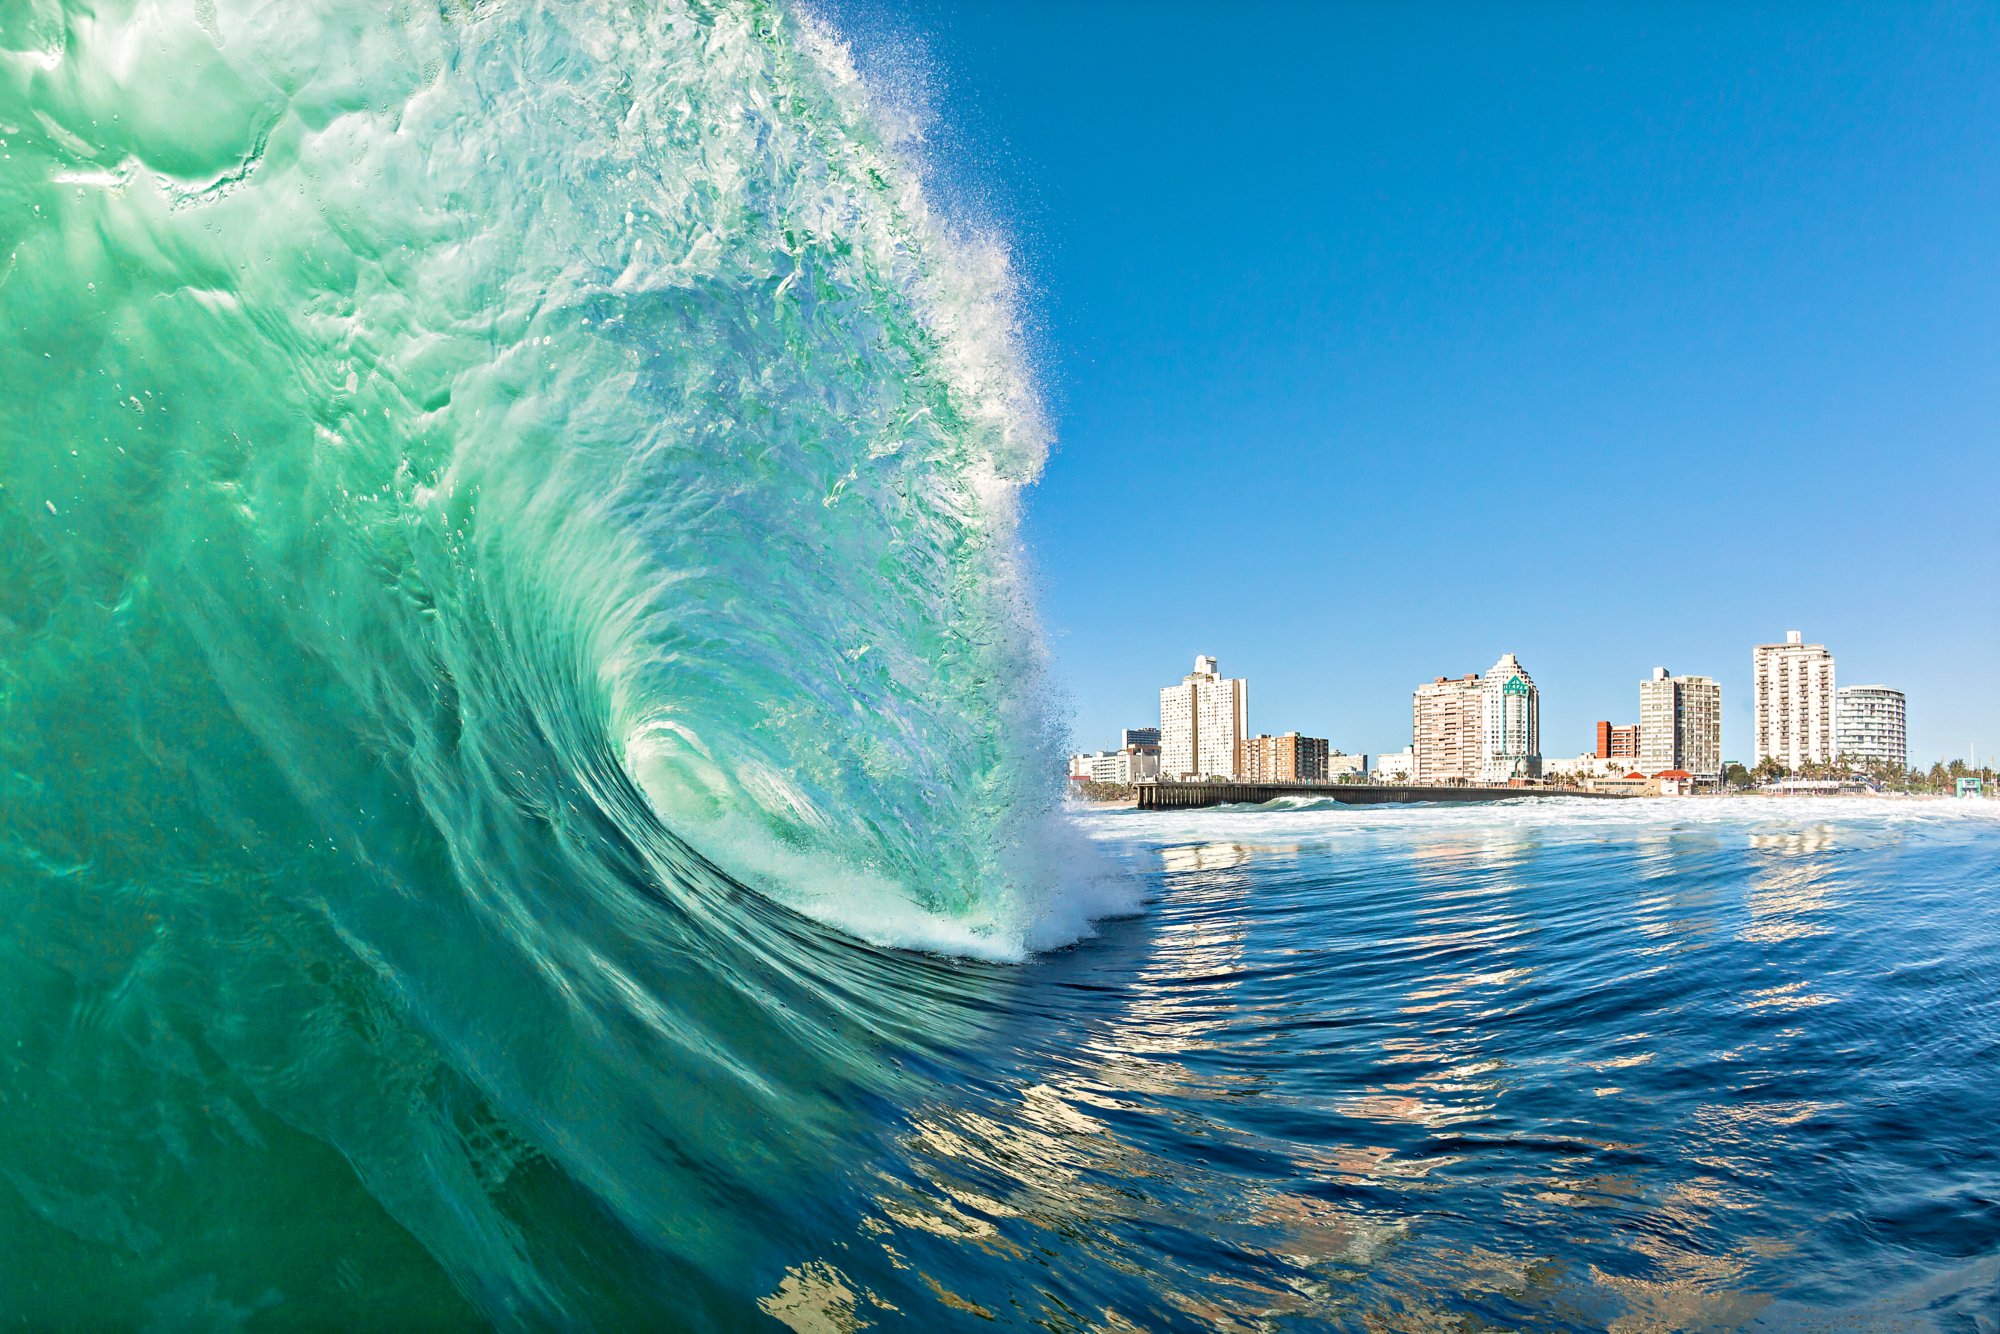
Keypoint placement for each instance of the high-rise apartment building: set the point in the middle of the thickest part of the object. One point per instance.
(1203, 722)
(1478, 729)
(1510, 723)
(1871, 726)
(1794, 703)
(1617, 743)
(1445, 744)
(1680, 724)
(1290, 758)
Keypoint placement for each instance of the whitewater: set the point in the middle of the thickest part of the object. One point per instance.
(527, 792)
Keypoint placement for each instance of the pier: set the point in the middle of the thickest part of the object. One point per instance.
(1184, 796)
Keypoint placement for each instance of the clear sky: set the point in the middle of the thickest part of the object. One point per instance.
(1382, 340)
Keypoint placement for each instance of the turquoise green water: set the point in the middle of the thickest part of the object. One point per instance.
(492, 497)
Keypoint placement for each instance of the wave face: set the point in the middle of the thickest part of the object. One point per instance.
(500, 504)
(552, 360)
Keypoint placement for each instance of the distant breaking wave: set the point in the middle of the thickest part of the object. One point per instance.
(498, 503)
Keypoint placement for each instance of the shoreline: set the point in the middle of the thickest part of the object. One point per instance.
(1132, 803)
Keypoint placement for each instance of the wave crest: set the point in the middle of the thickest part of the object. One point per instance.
(481, 488)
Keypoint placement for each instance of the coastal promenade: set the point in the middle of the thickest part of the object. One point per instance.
(1183, 796)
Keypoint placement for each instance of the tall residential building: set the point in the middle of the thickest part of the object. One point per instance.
(1290, 758)
(1445, 746)
(1617, 743)
(1871, 725)
(1478, 729)
(1510, 723)
(1794, 703)
(1203, 722)
(1680, 724)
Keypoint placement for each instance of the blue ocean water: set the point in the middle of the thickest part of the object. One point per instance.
(1660, 1065)
(1653, 1065)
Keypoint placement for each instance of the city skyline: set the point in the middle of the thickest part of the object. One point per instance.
(1714, 287)
(1708, 687)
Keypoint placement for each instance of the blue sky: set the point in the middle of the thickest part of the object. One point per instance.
(1382, 340)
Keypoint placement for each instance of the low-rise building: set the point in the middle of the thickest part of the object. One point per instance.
(1577, 768)
(1339, 765)
(1128, 764)
(1675, 783)
(1397, 766)
(1631, 784)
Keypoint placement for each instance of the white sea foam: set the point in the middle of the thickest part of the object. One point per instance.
(1556, 817)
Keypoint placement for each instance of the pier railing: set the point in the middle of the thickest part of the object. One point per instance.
(1183, 796)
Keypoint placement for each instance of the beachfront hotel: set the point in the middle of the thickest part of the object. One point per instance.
(1871, 726)
(1680, 725)
(1203, 724)
(1794, 698)
(1510, 723)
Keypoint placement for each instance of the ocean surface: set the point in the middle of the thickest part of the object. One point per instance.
(528, 796)
(1664, 1065)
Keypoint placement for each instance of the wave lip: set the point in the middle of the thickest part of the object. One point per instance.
(505, 507)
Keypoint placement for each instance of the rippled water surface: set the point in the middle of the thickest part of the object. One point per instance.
(1657, 1065)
